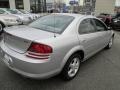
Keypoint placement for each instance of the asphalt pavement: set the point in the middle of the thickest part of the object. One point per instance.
(100, 72)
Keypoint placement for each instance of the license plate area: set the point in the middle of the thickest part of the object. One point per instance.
(15, 43)
(6, 58)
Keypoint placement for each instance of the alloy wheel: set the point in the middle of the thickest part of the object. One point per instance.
(111, 43)
(74, 67)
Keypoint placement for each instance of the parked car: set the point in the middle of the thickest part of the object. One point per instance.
(24, 18)
(32, 15)
(116, 22)
(106, 18)
(53, 10)
(112, 21)
(54, 44)
(8, 20)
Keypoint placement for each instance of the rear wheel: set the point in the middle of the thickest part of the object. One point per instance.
(1, 27)
(110, 43)
(71, 68)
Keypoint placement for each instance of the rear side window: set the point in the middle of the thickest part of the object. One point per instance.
(99, 25)
(86, 26)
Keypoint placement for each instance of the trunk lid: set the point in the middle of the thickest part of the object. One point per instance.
(19, 38)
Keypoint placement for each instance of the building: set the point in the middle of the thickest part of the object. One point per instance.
(34, 5)
(117, 9)
(117, 4)
(89, 6)
(105, 6)
(4, 4)
(37, 6)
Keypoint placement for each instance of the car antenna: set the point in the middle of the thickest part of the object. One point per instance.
(54, 20)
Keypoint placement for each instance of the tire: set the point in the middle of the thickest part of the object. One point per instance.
(1, 28)
(110, 43)
(71, 68)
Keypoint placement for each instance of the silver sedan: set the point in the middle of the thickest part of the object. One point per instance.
(54, 44)
(8, 20)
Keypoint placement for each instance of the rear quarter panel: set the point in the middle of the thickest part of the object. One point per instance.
(63, 47)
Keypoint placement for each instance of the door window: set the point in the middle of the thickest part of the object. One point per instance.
(99, 25)
(86, 26)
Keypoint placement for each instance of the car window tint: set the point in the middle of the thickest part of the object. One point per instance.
(52, 23)
(99, 25)
(2, 11)
(86, 26)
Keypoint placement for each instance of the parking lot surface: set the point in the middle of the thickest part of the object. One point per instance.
(100, 72)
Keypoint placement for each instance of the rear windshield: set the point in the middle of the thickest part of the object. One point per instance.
(52, 23)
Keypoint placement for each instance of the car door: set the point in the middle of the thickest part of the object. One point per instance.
(103, 32)
(88, 37)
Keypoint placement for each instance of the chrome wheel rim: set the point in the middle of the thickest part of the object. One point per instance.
(73, 67)
(111, 42)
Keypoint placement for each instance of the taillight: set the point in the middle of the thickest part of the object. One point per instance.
(39, 51)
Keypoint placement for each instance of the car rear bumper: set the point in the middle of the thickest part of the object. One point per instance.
(40, 69)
